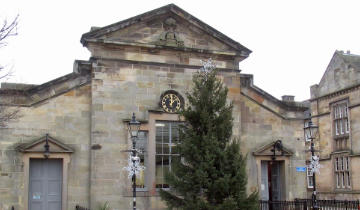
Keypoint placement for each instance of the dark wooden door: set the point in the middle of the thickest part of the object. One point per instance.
(275, 181)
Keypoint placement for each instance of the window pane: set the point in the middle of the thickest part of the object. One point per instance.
(141, 141)
(166, 133)
(347, 128)
(335, 112)
(309, 177)
(158, 138)
(348, 179)
(340, 111)
(174, 150)
(159, 132)
(140, 179)
(159, 149)
(341, 126)
(345, 110)
(159, 177)
(166, 149)
(310, 182)
(166, 160)
(336, 164)
(175, 133)
(169, 134)
(162, 132)
(342, 163)
(309, 173)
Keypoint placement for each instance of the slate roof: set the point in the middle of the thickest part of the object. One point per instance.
(351, 59)
(171, 8)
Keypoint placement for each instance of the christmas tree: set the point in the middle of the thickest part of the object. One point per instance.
(210, 173)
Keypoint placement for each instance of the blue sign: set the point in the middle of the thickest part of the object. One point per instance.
(300, 169)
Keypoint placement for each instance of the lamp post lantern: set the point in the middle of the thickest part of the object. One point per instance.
(277, 146)
(310, 132)
(47, 147)
(133, 127)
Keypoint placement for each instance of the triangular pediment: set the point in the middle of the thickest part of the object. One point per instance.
(342, 72)
(38, 146)
(168, 26)
(268, 150)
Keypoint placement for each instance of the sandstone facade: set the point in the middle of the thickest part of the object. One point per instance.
(133, 62)
(335, 108)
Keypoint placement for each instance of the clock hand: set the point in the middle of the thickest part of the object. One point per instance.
(171, 100)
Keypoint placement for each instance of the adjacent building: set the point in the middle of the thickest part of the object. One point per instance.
(69, 144)
(335, 109)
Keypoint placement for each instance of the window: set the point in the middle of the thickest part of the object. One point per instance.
(141, 145)
(167, 136)
(309, 176)
(341, 125)
(342, 172)
(341, 119)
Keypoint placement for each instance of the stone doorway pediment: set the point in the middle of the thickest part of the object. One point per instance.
(267, 150)
(38, 146)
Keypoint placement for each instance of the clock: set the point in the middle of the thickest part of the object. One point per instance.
(171, 102)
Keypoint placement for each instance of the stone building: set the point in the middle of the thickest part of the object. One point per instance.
(335, 109)
(82, 118)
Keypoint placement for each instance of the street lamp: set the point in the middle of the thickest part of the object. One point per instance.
(47, 147)
(277, 146)
(133, 127)
(310, 132)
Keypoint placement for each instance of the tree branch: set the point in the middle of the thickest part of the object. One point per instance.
(8, 30)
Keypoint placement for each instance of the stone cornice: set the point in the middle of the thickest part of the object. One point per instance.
(154, 46)
(94, 59)
(269, 109)
(337, 93)
(247, 83)
(40, 93)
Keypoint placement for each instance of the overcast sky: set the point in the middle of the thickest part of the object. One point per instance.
(292, 40)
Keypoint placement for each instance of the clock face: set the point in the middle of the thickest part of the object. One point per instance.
(171, 103)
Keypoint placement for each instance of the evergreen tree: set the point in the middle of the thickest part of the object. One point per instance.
(210, 175)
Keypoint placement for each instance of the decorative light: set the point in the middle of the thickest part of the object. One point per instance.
(134, 126)
(208, 66)
(134, 166)
(315, 165)
(277, 146)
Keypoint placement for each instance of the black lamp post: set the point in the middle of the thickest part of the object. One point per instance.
(277, 146)
(47, 147)
(133, 127)
(310, 132)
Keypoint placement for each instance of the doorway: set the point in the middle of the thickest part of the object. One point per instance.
(45, 184)
(272, 180)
